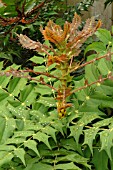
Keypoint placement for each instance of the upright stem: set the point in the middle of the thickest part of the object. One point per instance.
(63, 90)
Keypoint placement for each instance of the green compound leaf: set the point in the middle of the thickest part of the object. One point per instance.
(42, 137)
(31, 144)
(20, 153)
(77, 129)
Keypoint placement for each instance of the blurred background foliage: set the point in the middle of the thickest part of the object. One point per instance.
(26, 16)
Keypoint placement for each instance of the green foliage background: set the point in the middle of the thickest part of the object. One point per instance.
(31, 134)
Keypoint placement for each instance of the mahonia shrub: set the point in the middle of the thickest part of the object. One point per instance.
(67, 46)
(50, 119)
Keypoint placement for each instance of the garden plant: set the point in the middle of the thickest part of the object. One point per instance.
(56, 108)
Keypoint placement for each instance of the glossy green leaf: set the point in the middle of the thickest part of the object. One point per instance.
(100, 99)
(106, 138)
(104, 122)
(47, 101)
(74, 157)
(19, 112)
(42, 166)
(81, 94)
(9, 128)
(24, 93)
(20, 153)
(2, 126)
(104, 35)
(7, 147)
(42, 137)
(77, 129)
(4, 81)
(27, 95)
(3, 96)
(5, 157)
(40, 69)
(15, 141)
(104, 66)
(40, 107)
(67, 166)
(106, 88)
(50, 131)
(92, 73)
(90, 135)
(37, 60)
(58, 125)
(23, 134)
(99, 47)
(43, 90)
(90, 108)
(16, 84)
(14, 103)
(100, 160)
(31, 144)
